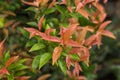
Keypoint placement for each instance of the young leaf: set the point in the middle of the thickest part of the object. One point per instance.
(45, 57)
(3, 71)
(36, 47)
(56, 54)
(1, 47)
(40, 22)
(11, 60)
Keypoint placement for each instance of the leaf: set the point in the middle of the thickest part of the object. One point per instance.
(29, 43)
(60, 9)
(3, 71)
(1, 47)
(50, 10)
(11, 60)
(44, 77)
(74, 57)
(45, 57)
(37, 46)
(56, 54)
(103, 25)
(20, 67)
(32, 24)
(24, 32)
(82, 20)
(22, 78)
(6, 56)
(40, 22)
(36, 61)
(108, 34)
(62, 66)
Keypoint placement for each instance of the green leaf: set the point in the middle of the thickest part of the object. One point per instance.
(45, 57)
(62, 66)
(31, 9)
(36, 47)
(74, 57)
(36, 61)
(32, 24)
(24, 32)
(20, 73)
(60, 9)
(6, 56)
(20, 67)
(50, 10)
(29, 43)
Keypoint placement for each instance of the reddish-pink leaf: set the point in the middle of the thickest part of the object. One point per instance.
(80, 5)
(48, 31)
(56, 54)
(40, 22)
(52, 3)
(77, 69)
(64, 2)
(108, 34)
(103, 25)
(51, 38)
(68, 61)
(98, 39)
(36, 4)
(70, 42)
(80, 78)
(1, 47)
(90, 40)
(44, 77)
(22, 77)
(10, 61)
(69, 9)
(68, 32)
(3, 71)
(34, 32)
(105, 1)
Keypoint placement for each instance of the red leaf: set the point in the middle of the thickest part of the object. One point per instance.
(40, 22)
(103, 25)
(69, 9)
(56, 54)
(79, 6)
(10, 61)
(48, 31)
(70, 42)
(34, 32)
(22, 77)
(77, 69)
(90, 40)
(3, 71)
(64, 2)
(44, 77)
(98, 40)
(108, 34)
(68, 62)
(1, 47)
(36, 4)
(52, 3)
(51, 38)
(68, 32)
